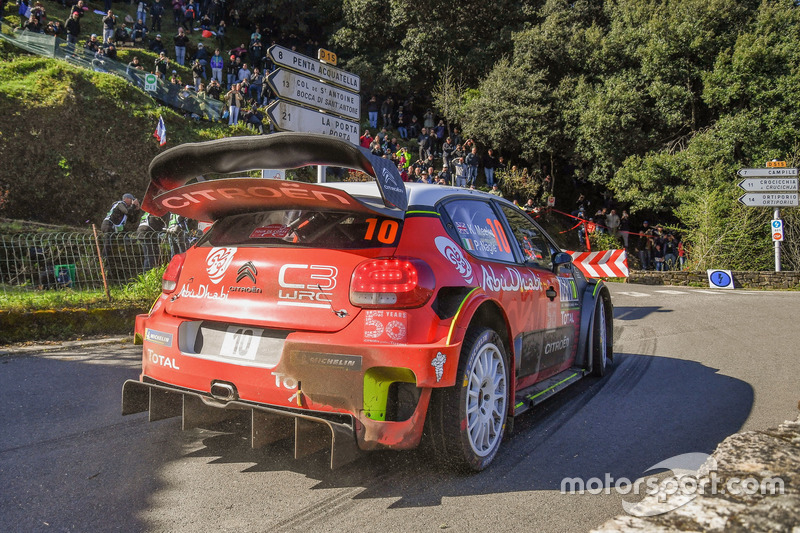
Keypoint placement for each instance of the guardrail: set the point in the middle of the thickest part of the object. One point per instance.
(51, 46)
(44, 261)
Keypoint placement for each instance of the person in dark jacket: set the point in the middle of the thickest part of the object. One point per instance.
(73, 27)
(114, 222)
(147, 234)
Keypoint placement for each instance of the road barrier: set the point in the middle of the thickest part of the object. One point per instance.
(603, 264)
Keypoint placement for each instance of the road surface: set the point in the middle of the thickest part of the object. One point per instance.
(692, 367)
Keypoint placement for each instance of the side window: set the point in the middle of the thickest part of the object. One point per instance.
(535, 247)
(479, 231)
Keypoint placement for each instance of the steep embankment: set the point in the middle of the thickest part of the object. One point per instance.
(72, 141)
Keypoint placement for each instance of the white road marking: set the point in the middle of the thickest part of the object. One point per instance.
(672, 292)
(634, 294)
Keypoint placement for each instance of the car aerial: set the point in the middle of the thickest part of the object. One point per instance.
(357, 315)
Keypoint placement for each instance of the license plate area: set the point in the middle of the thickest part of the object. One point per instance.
(232, 343)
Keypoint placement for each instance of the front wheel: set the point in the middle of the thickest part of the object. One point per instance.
(466, 422)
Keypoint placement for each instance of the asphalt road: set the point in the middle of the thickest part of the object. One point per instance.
(692, 367)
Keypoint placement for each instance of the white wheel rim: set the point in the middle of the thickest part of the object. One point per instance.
(603, 347)
(486, 400)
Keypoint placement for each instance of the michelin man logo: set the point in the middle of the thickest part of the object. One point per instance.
(438, 365)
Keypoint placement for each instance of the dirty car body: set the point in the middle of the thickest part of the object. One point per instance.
(358, 316)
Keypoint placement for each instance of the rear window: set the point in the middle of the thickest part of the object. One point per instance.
(305, 228)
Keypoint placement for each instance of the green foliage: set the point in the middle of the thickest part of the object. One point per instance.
(146, 287)
(604, 241)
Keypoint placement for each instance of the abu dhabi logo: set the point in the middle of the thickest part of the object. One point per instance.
(217, 263)
(247, 270)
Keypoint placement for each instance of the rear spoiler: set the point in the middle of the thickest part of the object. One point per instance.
(176, 166)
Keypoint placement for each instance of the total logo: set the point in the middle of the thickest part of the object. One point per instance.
(217, 263)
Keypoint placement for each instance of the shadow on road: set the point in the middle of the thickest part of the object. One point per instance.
(647, 409)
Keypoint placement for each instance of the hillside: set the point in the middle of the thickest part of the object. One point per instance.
(73, 141)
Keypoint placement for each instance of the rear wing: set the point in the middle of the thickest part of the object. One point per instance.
(175, 167)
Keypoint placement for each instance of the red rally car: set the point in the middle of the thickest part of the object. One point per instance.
(363, 315)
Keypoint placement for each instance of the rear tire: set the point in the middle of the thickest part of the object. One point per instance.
(466, 422)
(601, 351)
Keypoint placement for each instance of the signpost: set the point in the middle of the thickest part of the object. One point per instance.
(769, 184)
(312, 67)
(775, 186)
(770, 199)
(766, 172)
(290, 117)
(301, 89)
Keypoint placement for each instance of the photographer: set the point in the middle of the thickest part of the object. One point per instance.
(109, 25)
(116, 218)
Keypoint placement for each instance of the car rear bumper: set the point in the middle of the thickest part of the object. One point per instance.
(312, 431)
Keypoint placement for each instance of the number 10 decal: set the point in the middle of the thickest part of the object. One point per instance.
(241, 342)
(387, 232)
(499, 235)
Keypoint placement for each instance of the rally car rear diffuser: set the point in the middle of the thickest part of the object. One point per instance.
(268, 424)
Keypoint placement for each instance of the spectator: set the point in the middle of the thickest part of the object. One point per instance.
(161, 65)
(529, 206)
(256, 83)
(141, 11)
(446, 175)
(221, 34)
(489, 163)
(78, 8)
(256, 118)
(189, 16)
(116, 218)
(372, 112)
(175, 79)
(256, 53)
(109, 24)
(447, 151)
(234, 100)
(497, 192)
(33, 25)
(428, 120)
(178, 232)
(197, 73)
(670, 252)
(156, 12)
(202, 56)
(177, 12)
(214, 90)
(180, 41)
(244, 73)
(644, 244)
(613, 222)
(109, 50)
(625, 228)
(233, 71)
(457, 138)
(73, 27)
(401, 123)
(93, 45)
(681, 254)
(658, 257)
(121, 34)
(239, 51)
(425, 144)
(139, 31)
(472, 160)
(157, 45)
(216, 66)
(135, 71)
(387, 110)
(365, 140)
(461, 172)
(501, 165)
(147, 234)
(440, 130)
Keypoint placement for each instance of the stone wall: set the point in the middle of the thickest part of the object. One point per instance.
(759, 455)
(741, 279)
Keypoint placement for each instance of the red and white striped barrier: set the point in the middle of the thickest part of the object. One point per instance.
(603, 264)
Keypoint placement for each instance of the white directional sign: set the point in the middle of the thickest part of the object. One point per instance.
(769, 184)
(312, 67)
(777, 229)
(312, 93)
(289, 117)
(766, 172)
(755, 199)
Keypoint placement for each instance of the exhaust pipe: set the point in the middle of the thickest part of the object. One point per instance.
(221, 390)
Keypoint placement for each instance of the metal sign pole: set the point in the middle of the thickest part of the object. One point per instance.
(320, 174)
(777, 216)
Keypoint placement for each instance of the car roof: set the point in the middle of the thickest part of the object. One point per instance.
(419, 194)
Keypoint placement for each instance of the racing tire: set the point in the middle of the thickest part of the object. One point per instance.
(601, 345)
(466, 422)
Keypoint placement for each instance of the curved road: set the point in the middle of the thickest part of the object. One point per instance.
(692, 367)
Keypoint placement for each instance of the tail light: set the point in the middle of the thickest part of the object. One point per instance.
(170, 278)
(392, 282)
